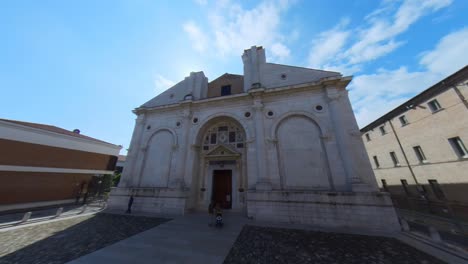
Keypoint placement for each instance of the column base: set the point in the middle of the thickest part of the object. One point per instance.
(362, 187)
(264, 186)
(361, 211)
(166, 201)
(177, 184)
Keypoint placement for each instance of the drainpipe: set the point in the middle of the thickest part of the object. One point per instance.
(418, 186)
(460, 95)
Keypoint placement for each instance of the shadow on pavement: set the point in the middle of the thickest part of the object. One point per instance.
(63, 241)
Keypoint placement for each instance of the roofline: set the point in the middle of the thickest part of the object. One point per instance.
(300, 67)
(435, 89)
(239, 75)
(35, 129)
(342, 81)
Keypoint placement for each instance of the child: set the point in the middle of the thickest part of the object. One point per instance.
(218, 215)
(211, 212)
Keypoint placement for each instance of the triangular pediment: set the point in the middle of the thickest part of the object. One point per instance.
(222, 150)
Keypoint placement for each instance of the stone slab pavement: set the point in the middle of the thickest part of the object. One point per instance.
(187, 239)
(68, 210)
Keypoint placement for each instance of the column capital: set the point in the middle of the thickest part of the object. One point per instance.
(196, 147)
(273, 141)
(187, 113)
(140, 119)
(326, 137)
(333, 96)
(257, 105)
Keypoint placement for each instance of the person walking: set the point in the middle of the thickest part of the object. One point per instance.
(130, 203)
(211, 213)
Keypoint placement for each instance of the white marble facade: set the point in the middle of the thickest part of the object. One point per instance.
(288, 141)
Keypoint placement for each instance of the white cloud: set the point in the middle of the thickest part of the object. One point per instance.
(201, 2)
(372, 41)
(449, 55)
(373, 95)
(196, 35)
(233, 28)
(279, 51)
(378, 38)
(161, 83)
(327, 45)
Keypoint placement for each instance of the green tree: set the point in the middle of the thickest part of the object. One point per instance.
(116, 179)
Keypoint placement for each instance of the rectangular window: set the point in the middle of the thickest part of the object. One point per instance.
(459, 147)
(419, 153)
(384, 185)
(232, 137)
(436, 189)
(367, 136)
(382, 130)
(405, 186)
(376, 161)
(434, 105)
(213, 138)
(225, 90)
(394, 159)
(403, 120)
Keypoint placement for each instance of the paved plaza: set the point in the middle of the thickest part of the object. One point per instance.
(114, 238)
(50, 213)
(278, 245)
(67, 239)
(187, 239)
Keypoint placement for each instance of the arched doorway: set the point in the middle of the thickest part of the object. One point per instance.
(221, 159)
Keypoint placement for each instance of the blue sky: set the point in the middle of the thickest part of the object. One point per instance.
(87, 64)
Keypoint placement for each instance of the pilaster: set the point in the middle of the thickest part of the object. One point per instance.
(346, 135)
(130, 169)
(263, 180)
(179, 180)
(333, 97)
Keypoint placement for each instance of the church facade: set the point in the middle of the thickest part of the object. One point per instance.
(278, 143)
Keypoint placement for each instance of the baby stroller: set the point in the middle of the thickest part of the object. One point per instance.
(218, 215)
(219, 219)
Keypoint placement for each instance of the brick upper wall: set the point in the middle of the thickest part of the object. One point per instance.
(236, 82)
(18, 153)
(27, 187)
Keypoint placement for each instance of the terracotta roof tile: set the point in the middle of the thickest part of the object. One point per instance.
(53, 129)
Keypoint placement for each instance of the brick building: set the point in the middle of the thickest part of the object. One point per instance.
(42, 165)
(418, 150)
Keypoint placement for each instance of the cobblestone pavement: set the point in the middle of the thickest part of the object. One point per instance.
(68, 239)
(278, 245)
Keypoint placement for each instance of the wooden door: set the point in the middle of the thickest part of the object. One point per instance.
(222, 188)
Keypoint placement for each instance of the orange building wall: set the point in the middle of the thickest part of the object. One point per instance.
(26, 154)
(26, 187)
(18, 187)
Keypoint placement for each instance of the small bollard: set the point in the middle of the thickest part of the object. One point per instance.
(59, 212)
(404, 225)
(434, 234)
(84, 209)
(26, 217)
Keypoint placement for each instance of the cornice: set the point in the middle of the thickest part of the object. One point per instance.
(336, 81)
(50, 133)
